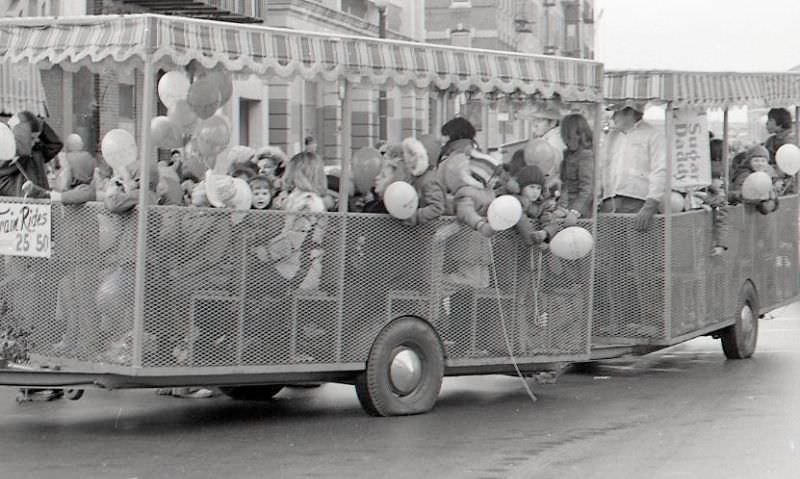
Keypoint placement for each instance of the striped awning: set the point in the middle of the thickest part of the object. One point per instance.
(125, 42)
(703, 89)
(21, 89)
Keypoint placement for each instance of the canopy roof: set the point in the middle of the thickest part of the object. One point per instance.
(127, 41)
(703, 89)
(21, 89)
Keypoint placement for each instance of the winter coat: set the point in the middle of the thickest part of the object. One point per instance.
(463, 145)
(432, 198)
(540, 215)
(577, 175)
(31, 159)
(470, 204)
(774, 142)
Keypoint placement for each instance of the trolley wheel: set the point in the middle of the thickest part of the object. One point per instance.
(73, 394)
(404, 370)
(739, 340)
(261, 392)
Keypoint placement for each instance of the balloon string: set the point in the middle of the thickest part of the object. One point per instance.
(503, 327)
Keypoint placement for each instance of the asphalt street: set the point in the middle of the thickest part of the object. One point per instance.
(683, 412)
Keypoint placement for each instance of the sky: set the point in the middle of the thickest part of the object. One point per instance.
(703, 35)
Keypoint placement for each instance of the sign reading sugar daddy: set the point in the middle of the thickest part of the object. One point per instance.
(25, 230)
(692, 164)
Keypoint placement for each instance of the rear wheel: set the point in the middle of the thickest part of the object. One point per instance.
(404, 370)
(739, 340)
(262, 392)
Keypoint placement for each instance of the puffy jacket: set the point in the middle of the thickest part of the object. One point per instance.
(635, 163)
(471, 203)
(432, 198)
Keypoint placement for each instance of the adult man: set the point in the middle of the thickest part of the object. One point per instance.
(634, 170)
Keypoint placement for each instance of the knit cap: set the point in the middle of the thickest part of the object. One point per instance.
(530, 175)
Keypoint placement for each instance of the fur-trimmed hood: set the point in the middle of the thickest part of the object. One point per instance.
(415, 156)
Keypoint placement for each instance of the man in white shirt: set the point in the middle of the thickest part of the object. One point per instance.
(634, 168)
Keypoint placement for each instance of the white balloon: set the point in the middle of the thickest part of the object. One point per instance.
(8, 147)
(504, 212)
(401, 200)
(757, 186)
(119, 149)
(173, 86)
(572, 243)
(788, 158)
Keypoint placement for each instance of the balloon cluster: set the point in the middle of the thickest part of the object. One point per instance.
(192, 113)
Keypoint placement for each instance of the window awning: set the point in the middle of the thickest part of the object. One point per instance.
(703, 89)
(127, 41)
(21, 89)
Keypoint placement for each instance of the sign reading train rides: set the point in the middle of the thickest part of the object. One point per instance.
(25, 229)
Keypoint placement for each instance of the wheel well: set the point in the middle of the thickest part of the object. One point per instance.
(412, 316)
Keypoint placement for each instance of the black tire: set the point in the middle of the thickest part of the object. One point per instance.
(73, 394)
(739, 340)
(375, 387)
(261, 392)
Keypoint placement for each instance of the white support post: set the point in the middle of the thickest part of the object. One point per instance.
(725, 156)
(669, 139)
(145, 151)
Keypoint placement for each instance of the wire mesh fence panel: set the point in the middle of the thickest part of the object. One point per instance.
(629, 279)
(690, 264)
(77, 304)
(775, 272)
(726, 272)
(226, 288)
(229, 288)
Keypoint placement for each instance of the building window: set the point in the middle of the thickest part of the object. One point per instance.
(127, 99)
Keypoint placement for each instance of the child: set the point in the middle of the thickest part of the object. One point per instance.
(756, 159)
(303, 231)
(469, 179)
(542, 218)
(261, 188)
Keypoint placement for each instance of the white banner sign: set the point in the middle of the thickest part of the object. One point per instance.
(25, 230)
(692, 160)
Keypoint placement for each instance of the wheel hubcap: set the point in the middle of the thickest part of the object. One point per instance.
(405, 371)
(747, 322)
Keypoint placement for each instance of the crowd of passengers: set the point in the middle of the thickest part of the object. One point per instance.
(552, 176)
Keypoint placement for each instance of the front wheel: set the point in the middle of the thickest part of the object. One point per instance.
(739, 340)
(404, 370)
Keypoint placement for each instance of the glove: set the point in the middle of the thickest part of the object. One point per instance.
(645, 215)
(571, 219)
(539, 236)
(485, 229)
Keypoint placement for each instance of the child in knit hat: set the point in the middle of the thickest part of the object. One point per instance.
(542, 217)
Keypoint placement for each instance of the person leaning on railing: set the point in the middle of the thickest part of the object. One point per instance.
(634, 171)
(36, 144)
